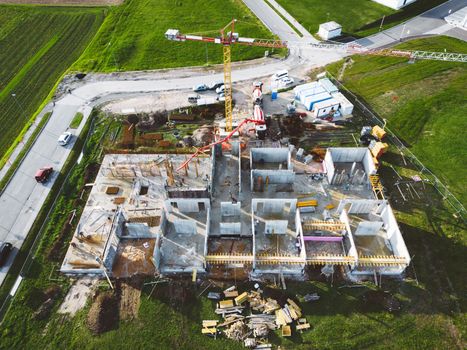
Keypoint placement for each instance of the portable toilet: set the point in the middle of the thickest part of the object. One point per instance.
(274, 94)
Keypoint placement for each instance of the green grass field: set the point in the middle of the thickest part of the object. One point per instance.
(38, 44)
(424, 104)
(357, 17)
(132, 36)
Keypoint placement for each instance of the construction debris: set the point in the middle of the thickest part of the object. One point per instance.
(254, 329)
(236, 331)
(311, 297)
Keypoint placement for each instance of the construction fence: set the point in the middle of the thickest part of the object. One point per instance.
(425, 173)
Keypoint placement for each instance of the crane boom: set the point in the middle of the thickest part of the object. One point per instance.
(351, 48)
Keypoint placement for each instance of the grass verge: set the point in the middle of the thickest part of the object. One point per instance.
(76, 120)
(19, 159)
(285, 19)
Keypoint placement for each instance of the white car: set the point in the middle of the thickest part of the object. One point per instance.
(220, 89)
(65, 138)
(286, 81)
(215, 84)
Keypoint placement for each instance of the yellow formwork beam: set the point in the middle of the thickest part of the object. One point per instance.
(324, 225)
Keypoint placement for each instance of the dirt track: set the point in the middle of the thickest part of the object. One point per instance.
(64, 2)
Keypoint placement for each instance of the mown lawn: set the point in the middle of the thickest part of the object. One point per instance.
(132, 36)
(424, 103)
(37, 45)
(357, 17)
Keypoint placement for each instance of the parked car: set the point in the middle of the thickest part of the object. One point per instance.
(43, 174)
(65, 138)
(200, 87)
(5, 250)
(280, 75)
(286, 81)
(193, 98)
(220, 89)
(215, 84)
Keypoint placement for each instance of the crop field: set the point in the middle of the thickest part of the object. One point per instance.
(423, 102)
(38, 44)
(357, 17)
(63, 2)
(132, 35)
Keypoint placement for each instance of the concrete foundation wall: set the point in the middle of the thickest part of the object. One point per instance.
(230, 209)
(352, 251)
(275, 176)
(347, 154)
(230, 228)
(329, 166)
(276, 227)
(368, 228)
(359, 206)
(187, 205)
(274, 206)
(184, 226)
(270, 155)
(157, 253)
(394, 233)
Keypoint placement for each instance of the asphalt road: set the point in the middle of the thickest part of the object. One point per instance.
(429, 23)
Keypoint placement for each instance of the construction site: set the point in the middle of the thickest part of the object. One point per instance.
(244, 202)
(261, 208)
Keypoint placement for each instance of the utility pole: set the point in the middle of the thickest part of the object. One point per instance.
(382, 21)
(402, 32)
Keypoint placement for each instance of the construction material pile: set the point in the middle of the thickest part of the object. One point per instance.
(265, 315)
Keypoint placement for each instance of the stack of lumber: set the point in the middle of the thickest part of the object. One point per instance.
(209, 327)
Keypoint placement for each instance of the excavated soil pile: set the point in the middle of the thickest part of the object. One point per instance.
(130, 296)
(103, 314)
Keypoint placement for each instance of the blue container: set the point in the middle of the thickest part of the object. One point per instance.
(274, 95)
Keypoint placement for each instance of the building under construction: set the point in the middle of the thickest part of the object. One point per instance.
(259, 206)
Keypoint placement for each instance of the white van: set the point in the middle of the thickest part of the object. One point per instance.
(280, 75)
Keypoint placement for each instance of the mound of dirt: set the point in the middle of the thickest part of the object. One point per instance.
(103, 314)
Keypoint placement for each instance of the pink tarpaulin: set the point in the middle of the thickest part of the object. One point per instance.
(323, 238)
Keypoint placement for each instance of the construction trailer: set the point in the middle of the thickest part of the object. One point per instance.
(345, 106)
(328, 85)
(325, 108)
